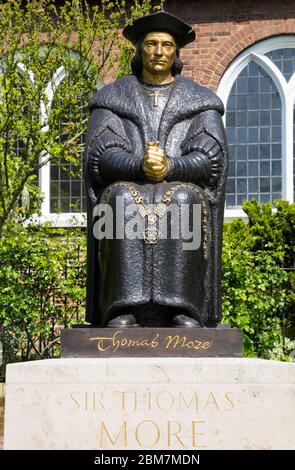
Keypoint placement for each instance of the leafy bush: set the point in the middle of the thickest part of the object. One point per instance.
(258, 295)
(42, 284)
(53, 56)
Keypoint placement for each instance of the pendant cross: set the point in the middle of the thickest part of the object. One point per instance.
(156, 95)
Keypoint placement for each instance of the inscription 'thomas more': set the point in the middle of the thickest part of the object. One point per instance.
(118, 341)
(153, 419)
(148, 342)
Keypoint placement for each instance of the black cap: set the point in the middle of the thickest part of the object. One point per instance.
(160, 22)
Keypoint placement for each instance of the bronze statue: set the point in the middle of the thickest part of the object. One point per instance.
(157, 141)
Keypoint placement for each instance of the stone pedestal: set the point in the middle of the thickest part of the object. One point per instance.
(150, 404)
(151, 342)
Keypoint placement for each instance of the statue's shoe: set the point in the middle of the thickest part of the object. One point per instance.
(182, 321)
(123, 321)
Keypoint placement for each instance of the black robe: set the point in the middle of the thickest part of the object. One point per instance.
(130, 273)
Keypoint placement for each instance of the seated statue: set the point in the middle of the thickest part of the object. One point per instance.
(156, 141)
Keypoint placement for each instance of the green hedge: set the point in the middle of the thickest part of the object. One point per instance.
(43, 271)
(258, 295)
(42, 285)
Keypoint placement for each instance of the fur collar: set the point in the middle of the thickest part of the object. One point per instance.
(125, 98)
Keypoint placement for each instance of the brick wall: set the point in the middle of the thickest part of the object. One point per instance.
(225, 28)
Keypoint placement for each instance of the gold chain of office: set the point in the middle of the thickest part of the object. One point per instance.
(151, 234)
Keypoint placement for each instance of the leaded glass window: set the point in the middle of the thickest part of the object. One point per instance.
(66, 188)
(66, 184)
(258, 89)
(254, 131)
(284, 59)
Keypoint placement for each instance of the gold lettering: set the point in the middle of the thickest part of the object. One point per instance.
(194, 401)
(211, 401)
(149, 401)
(122, 400)
(174, 341)
(183, 342)
(155, 342)
(175, 433)
(75, 401)
(133, 343)
(100, 342)
(227, 397)
(104, 432)
(115, 342)
(137, 432)
(135, 401)
(128, 401)
(89, 400)
(166, 395)
(99, 397)
(195, 434)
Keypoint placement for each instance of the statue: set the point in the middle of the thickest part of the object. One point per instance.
(156, 140)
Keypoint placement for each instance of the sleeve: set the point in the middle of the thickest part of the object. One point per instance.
(109, 151)
(202, 156)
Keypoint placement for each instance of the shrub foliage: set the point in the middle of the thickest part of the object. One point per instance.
(258, 294)
(42, 284)
(52, 60)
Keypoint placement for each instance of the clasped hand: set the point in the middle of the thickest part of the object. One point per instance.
(156, 163)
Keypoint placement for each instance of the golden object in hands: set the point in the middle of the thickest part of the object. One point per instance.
(156, 163)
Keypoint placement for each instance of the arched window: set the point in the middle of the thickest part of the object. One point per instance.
(258, 92)
(17, 114)
(64, 201)
(55, 169)
(66, 184)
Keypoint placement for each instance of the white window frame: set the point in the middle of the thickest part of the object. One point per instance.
(286, 90)
(63, 219)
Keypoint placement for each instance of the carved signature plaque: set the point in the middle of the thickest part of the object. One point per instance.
(151, 342)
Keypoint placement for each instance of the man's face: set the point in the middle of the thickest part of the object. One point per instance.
(158, 52)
